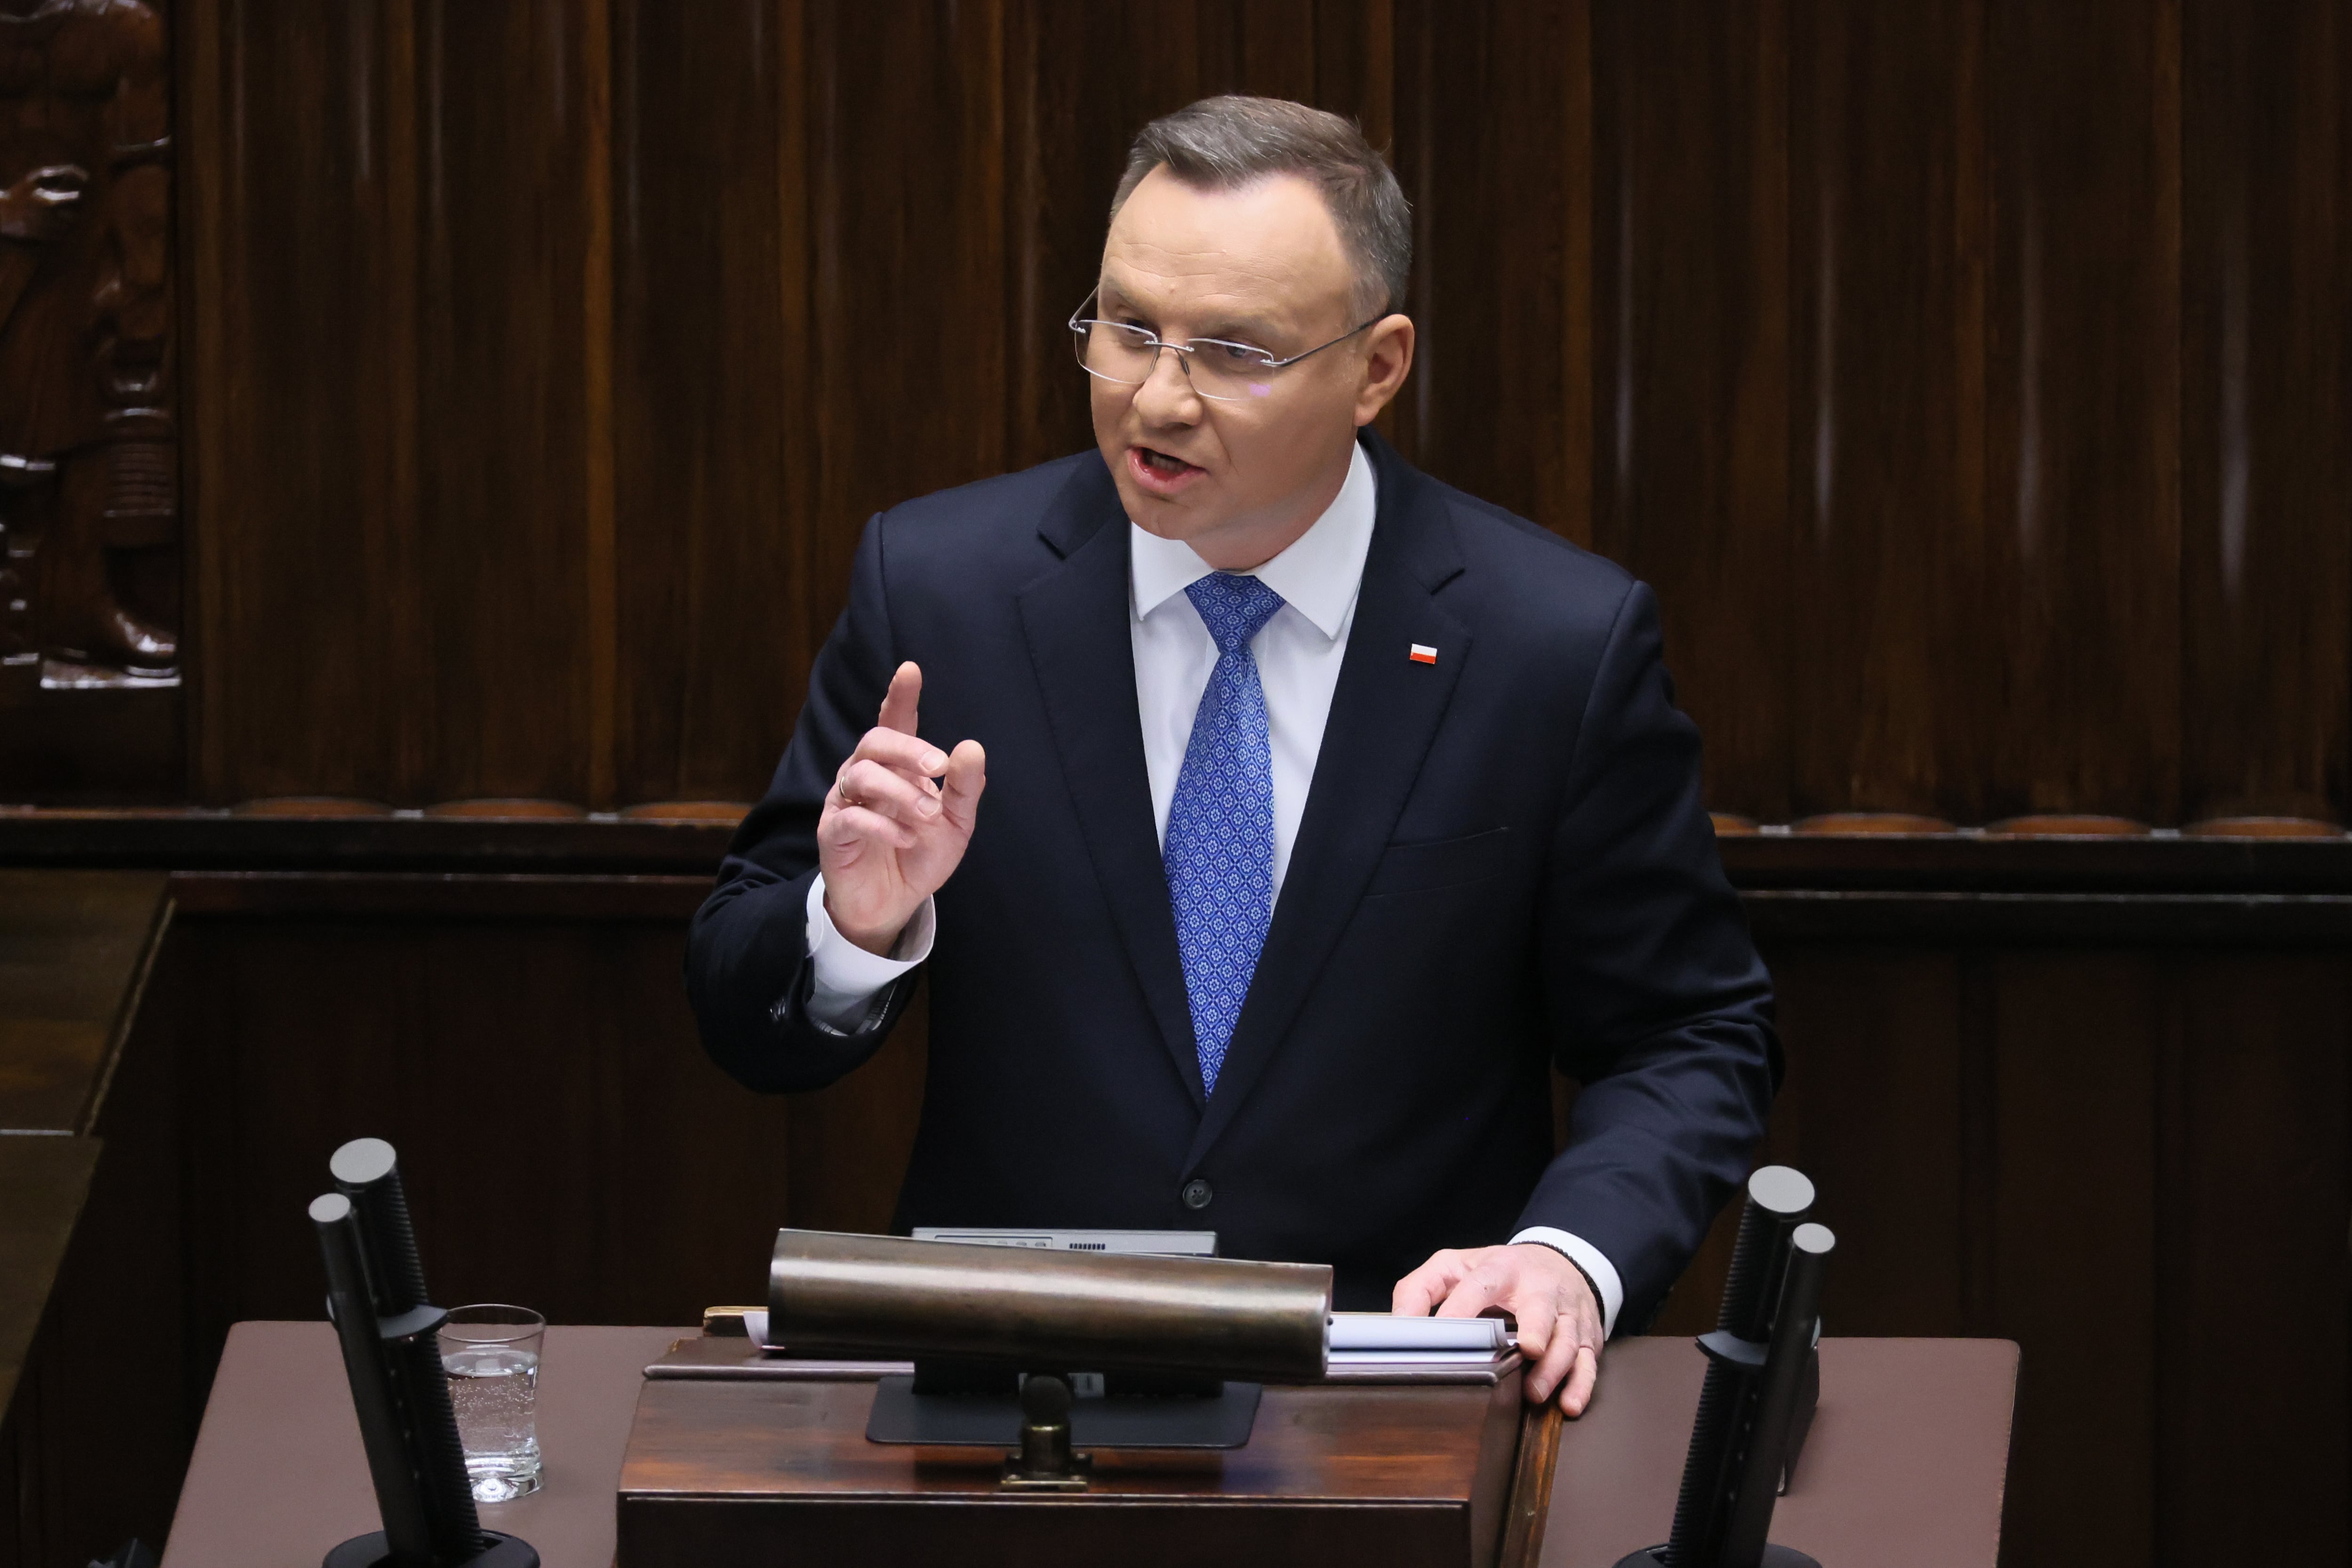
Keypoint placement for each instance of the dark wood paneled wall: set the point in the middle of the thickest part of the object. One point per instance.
(1973, 479)
(593, 368)
(2133, 1161)
(1968, 376)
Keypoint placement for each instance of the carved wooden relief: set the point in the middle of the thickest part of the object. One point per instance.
(89, 512)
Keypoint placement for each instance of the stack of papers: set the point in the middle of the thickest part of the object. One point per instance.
(1380, 1344)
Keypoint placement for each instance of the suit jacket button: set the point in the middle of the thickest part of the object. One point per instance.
(1197, 1194)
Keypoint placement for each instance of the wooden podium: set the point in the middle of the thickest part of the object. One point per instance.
(725, 1465)
(1906, 1463)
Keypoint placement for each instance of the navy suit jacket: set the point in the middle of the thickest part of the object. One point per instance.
(1504, 862)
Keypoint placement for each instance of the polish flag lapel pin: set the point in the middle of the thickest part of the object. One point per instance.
(1421, 653)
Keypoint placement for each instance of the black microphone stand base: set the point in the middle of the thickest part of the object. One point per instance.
(1774, 1557)
(373, 1550)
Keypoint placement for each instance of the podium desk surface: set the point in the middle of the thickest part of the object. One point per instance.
(279, 1475)
(1906, 1463)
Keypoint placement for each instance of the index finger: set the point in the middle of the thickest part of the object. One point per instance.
(1426, 1286)
(905, 696)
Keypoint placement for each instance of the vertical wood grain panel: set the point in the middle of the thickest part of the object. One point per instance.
(1879, 1107)
(1967, 376)
(715, 454)
(1182, 50)
(1277, 48)
(501, 557)
(1355, 64)
(599, 524)
(1692, 360)
(704, 1170)
(1498, 226)
(297, 204)
(907, 192)
(391, 430)
(201, 93)
(2256, 1380)
(2266, 522)
(1873, 1111)
(1887, 305)
(603, 1170)
(2079, 1282)
(395, 334)
(2083, 423)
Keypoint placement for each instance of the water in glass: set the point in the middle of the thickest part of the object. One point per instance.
(495, 1389)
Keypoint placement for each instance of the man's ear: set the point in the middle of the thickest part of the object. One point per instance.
(1388, 356)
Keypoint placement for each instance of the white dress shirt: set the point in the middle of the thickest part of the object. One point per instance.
(1298, 653)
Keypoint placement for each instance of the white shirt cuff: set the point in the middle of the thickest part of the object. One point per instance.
(846, 979)
(1587, 1257)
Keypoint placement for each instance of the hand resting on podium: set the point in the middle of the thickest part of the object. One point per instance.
(1560, 1322)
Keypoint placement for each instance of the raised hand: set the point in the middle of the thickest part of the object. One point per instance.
(891, 835)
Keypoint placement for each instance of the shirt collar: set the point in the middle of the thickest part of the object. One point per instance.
(1318, 576)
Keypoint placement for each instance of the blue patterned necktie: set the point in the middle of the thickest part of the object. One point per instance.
(1219, 849)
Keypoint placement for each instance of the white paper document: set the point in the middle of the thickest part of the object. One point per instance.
(1356, 1334)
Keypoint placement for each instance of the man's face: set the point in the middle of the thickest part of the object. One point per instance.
(1261, 264)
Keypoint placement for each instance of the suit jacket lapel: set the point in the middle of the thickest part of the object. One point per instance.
(1384, 712)
(1076, 620)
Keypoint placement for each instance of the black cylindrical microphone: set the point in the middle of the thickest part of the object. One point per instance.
(399, 1489)
(1800, 1309)
(1779, 1199)
(367, 1172)
(440, 1451)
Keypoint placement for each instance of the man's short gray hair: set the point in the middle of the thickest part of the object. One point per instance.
(1221, 143)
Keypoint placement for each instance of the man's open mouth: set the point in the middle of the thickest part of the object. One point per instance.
(1163, 463)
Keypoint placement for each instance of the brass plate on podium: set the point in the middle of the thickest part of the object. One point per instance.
(778, 1471)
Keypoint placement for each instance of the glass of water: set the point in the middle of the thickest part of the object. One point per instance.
(491, 1353)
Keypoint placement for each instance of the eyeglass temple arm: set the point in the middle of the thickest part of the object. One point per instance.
(1335, 342)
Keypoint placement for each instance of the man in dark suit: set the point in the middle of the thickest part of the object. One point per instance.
(1326, 806)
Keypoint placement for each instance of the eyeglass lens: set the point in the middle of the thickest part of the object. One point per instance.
(1128, 354)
